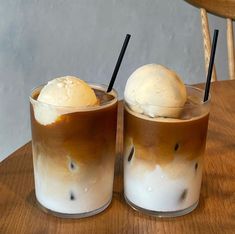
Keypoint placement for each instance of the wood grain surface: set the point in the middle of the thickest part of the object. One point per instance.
(223, 8)
(214, 214)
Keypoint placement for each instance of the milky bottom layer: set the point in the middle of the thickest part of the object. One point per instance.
(174, 187)
(72, 188)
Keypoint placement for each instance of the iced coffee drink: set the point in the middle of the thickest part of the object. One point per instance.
(73, 138)
(165, 128)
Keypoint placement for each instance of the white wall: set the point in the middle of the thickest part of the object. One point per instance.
(40, 40)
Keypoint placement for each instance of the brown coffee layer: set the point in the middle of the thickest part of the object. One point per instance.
(159, 142)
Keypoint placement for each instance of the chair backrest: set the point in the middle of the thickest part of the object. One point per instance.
(225, 9)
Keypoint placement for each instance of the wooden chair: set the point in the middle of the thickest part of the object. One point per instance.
(225, 9)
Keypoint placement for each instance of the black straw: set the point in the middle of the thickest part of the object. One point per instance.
(211, 63)
(119, 61)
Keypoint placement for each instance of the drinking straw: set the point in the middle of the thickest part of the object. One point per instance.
(119, 61)
(211, 63)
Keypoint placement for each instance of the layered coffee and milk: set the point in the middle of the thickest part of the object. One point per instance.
(73, 133)
(165, 127)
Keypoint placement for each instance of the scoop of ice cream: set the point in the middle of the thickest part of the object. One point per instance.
(154, 90)
(68, 91)
(59, 95)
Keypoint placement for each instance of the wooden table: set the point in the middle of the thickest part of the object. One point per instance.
(215, 213)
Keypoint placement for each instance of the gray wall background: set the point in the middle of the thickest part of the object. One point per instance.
(43, 39)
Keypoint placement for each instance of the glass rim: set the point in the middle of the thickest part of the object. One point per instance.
(202, 91)
(101, 87)
(186, 105)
